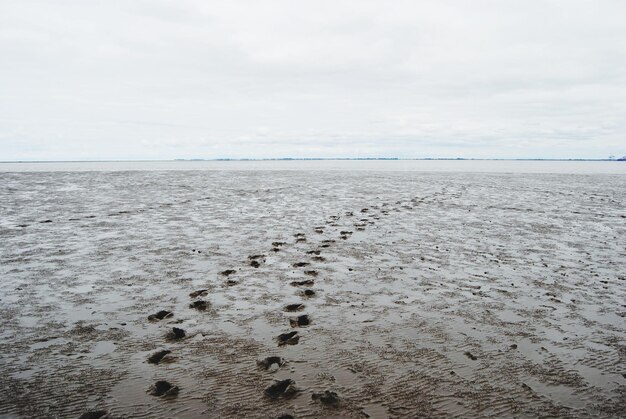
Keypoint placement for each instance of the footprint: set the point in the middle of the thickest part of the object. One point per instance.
(284, 388)
(175, 334)
(199, 305)
(345, 234)
(278, 244)
(300, 264)
(228, 272)
(306, 282)
(163, 388)
(294, 307)
(319, 258)
(313, 252)
(199, 293)
(291, 338)
(300, 321)
(271, 363)
(157, 357)
(308, 293)
(160, 315)
(327, 398)
(310, 273)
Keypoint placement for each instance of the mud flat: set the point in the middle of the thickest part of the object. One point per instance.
(311, 294)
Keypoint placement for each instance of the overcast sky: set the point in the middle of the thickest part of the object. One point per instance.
(156, 79)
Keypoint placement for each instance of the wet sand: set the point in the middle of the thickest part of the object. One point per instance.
(312, 294)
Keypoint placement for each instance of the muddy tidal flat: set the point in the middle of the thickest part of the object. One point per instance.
(312, 293)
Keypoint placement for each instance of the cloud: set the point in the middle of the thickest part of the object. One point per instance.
(191, 79)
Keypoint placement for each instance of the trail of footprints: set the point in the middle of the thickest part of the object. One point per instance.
(283, 389)
(117, 213)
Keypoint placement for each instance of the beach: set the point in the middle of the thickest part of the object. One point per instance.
(380, 292)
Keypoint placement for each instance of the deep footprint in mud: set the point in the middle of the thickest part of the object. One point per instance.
(255, 260)
(294, 307)
(158, 356)
(344, 235)
(160, 315)
(311, 273)
(163, 388)
(308, 293)
(306, 282)
(300, 321)
(228, 272)
(175, 334)
(291, 338)
(282, 389)
(327, 398)
(199, 305)
(300, 264)
(198, 293)
(271, 363)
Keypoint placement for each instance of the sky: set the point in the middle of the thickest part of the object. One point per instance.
(157, 79)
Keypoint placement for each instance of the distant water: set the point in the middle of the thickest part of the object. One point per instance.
(488, 166)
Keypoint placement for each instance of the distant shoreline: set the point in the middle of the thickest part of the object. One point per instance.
(622, 159)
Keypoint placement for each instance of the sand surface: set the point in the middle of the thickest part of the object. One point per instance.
(447, 294)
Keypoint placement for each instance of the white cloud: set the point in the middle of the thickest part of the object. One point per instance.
(171, 79)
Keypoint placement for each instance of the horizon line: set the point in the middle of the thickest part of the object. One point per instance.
(316, 159)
